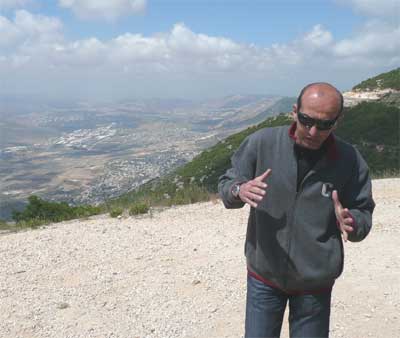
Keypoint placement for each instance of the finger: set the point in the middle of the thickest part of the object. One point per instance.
(253, 197)
(335, 199)
(257, 191)
(345, 236)
(347, 213)
(348, 228)
(259, 184)
(264, 176)
(250, 202)
(345, 216)
(348, 221)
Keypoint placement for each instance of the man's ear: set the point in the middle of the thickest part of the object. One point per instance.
(294, 112)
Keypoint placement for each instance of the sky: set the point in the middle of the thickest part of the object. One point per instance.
(130, 49)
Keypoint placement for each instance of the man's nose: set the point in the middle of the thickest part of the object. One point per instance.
(313, 131)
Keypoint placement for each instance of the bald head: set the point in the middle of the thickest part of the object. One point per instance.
(321, 91)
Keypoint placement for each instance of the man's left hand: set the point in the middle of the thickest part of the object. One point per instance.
(343, 217)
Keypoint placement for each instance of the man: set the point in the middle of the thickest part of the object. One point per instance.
(307, 190)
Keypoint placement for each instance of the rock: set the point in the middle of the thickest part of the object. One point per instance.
(62, 306)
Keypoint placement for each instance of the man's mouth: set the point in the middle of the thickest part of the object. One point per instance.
(312, 141)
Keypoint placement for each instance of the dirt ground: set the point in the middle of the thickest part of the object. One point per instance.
(179, 272)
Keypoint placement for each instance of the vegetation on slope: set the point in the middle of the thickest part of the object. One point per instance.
(39, 211)
(197, 180)
(382, 81)
(373, 127)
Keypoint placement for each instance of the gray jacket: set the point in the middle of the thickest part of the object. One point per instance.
(292, 237)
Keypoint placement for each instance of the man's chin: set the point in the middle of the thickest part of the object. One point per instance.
(311, 144)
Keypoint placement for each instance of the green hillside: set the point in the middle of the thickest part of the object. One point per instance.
(195, 180)
(382, 81)
(373, 127)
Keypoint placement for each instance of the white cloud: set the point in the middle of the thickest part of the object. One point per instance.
(9, 33)
(38, 27)
(7, 4)
(103, 9)
(77, 55)
(375, 8)
(378, 40)
(318, 37)
(29, 30)
(182, 62)
(375, 40)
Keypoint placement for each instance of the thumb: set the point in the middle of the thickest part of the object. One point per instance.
(335, 198)
(265, 175)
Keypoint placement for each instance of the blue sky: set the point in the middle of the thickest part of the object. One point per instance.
(115, 49)
(261, 22)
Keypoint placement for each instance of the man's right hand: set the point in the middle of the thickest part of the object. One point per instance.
(253, 191)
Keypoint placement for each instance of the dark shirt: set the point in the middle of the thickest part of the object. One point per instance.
(306, 160)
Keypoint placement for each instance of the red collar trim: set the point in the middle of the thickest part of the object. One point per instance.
(289, 292)
(292, 131)
(333, 154)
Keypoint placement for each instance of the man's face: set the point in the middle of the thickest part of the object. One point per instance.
(325, 107)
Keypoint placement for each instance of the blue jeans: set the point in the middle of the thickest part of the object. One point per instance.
(265, 307)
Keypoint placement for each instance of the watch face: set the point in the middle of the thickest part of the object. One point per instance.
(235, 190)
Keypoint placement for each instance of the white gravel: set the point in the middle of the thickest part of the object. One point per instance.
(177, 273)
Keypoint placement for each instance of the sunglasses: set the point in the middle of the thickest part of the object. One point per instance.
(308, 121)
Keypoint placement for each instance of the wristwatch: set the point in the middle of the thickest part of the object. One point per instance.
(236, 189)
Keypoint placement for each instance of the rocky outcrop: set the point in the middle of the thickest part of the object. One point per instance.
(352, 98)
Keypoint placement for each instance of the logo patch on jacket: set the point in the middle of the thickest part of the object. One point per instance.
(327, 189)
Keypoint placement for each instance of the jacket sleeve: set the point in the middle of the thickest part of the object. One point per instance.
(358, 199)
(243, 168)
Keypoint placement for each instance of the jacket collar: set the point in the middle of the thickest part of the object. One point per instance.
(332, 152)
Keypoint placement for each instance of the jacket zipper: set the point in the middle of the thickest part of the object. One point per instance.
(289, 240)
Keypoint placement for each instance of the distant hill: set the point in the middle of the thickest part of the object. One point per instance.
(244, 120)
(195, 180)
(382, 81)
(373, 127)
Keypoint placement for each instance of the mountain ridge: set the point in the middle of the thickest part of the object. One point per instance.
(371, 126)
(379, 146)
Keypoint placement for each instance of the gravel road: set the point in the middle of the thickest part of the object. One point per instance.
(179, 272)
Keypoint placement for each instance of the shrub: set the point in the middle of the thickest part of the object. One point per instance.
(385, 80)
(4, 225)
(139, 208)
(117, 211)
(39, 211)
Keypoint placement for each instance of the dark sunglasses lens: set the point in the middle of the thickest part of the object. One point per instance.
(306, 120)
(320, 124)
(325, 125)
